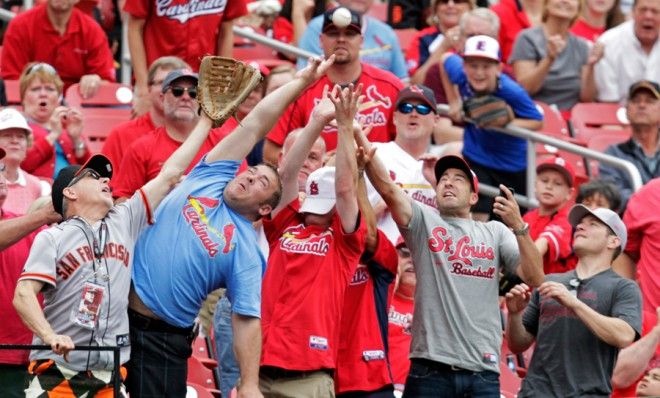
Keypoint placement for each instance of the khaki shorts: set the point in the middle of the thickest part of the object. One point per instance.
(293, 384)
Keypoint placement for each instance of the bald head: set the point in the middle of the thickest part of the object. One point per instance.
(313, 161)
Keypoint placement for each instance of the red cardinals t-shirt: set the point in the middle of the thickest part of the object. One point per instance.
(400, 318)
(308, 271)
(187, 29)
(556, 229)
(381, 88)
(362, 363)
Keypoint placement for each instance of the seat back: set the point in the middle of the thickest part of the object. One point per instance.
(98, 122)
(591, 119)
(115, 95)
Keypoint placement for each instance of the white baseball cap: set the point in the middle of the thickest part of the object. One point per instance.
(320, 195)
(482, 47)
(606, 216)
(12, 119)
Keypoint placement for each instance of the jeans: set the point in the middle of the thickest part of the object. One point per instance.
(432, 379)
(224, 347)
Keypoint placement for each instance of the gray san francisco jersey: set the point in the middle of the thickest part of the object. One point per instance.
(457, 261)
(63, 258)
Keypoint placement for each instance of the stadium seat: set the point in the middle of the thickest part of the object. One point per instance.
(592, 119)
(115, 95)
(198, 373)
(13, 93)
(97, 123)
(603, 140)
(201, 350)
(553, 123)
(196, 391)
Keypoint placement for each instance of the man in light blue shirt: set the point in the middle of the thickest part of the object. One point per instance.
(381, 46)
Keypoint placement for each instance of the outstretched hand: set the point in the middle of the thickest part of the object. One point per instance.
(346, 103)
(507, 208)
(325, 110)
(315, 69)
(517, 298)
(428, 168)
(363, 156)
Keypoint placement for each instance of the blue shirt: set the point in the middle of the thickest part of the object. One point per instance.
(489, 148)
(380, 47)
(198, 244)
(60, 159)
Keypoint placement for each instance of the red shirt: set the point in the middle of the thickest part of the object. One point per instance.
(381, 89)
(512, 20)
(143, 161)
(362, 363)
(423, 38)
(582, 29)
(187, 29)
(556, 229)
(308, 271)
(82, 50)
(122, 136)
(649, 320)
(13, 331)
(40, 158)
(282, 30)
(399, 334)
(643, 222)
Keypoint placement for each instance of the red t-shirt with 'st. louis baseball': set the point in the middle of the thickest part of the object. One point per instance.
(362, 363)
(380, 88)
(187, 29)
(400, 318)
(308, 271)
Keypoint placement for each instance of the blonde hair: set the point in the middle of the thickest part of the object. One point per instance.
(544, 16)
(46, 74)
(433, 20)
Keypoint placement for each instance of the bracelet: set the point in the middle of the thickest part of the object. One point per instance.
(80, 146)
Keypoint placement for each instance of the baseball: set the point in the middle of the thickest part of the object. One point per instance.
(341, 17)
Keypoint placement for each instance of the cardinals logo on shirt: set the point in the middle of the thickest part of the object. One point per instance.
(370, 112)
(194, 8)
(464, 256)
(195, 214)
(297, 239)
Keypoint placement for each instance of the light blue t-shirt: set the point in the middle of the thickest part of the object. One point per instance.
(198, 244)
(60, 159)
(490, 148)
(380, 48)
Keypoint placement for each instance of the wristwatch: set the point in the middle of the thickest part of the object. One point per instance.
(522, 231)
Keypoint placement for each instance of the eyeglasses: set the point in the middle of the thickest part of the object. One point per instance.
(178, 91)
(41, 66)
(407, 108)
(85, 173)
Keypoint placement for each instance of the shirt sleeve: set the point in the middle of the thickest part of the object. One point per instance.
(521, 103)
(41, 262)
(635, 222)
(137, 8)
(385, 254)
(627, 305)
(454, 68)
(558, 236)
(135, 213)
(530, 318)
(235, 9)
(509, 250)
(524, 48)
(244, 287)
(14, 50)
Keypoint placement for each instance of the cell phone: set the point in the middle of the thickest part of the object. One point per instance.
(493, 215)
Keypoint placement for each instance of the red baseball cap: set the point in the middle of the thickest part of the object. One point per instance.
(560, 165)
(456, 162)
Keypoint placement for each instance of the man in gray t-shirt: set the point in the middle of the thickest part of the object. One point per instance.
(456, 325)
(579, 319)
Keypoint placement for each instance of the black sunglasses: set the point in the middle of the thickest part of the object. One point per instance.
(406, 108)
(85, 173)
(178, 91)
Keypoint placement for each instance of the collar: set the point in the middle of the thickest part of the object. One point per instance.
(72, 26)
(21, 180)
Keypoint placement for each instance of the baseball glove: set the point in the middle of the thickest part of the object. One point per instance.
(488, 111)
(223, 84)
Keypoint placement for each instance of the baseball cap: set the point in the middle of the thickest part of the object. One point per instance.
(482, 46)
(98, 163)
(644, 85)
(606, 216)
(12, 119)
(456, 162)
(560, 165)
(355, 24)
(320, 191)
(176, 75)
(419, 92)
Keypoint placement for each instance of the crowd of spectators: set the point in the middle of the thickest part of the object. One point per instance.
(333, 230)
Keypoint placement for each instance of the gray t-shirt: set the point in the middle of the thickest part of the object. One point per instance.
(457, 261)
(562, 83)
(569, 360)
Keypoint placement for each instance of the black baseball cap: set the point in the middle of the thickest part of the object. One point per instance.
(355, 24)
(647, 85)
(456, 162)
(98, 163)
(176, 75)
(419, 92)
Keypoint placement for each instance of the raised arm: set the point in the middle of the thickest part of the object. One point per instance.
(171, 172)
(398, 203)
(15, 229)
(346, 104)
(633, 360)
(322, 114)
(261, 119)
(135, 35)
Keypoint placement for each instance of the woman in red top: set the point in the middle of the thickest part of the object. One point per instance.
(57, 130)
(597, 17)
(515, 15)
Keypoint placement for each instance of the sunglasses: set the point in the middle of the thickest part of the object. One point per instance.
(407, 108)
(41, 66)
(85, 173)
(178, 91)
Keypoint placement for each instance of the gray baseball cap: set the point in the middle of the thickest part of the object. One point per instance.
(606, 216)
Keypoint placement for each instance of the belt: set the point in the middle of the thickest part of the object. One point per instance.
(142, 322)
(274, 372)
(439, 365)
